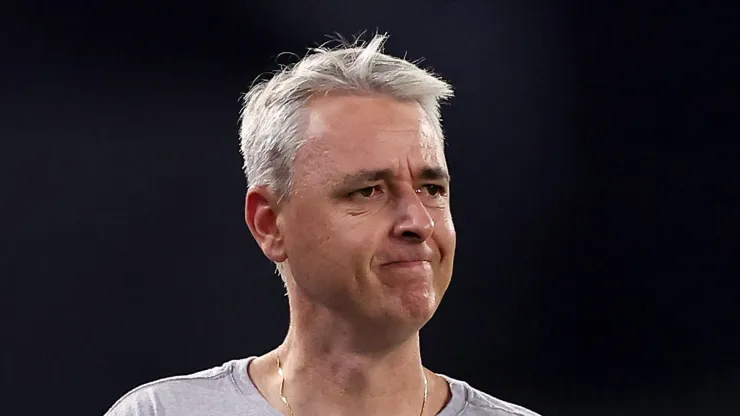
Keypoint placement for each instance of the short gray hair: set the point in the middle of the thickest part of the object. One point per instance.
(272, 126)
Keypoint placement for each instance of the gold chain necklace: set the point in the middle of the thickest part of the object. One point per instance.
(290, 409)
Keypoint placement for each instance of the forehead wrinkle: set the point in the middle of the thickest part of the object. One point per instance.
(325, 152)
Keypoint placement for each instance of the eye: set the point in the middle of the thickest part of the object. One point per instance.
(367, 192)
(435, 190)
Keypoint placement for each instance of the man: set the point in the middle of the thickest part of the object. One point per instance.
(349, 196)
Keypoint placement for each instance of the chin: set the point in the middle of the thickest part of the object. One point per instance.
(415, 305)
(408, 298)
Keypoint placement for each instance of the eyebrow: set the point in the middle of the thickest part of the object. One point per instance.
(364, 176)
(435, 174)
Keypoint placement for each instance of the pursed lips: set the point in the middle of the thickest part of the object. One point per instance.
(423, 257)
(407, 263)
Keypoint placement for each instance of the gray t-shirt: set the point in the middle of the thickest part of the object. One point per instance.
(228, 390)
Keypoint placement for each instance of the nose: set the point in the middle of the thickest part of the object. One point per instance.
(414, 223)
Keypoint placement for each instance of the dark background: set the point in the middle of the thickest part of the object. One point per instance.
(595, 167)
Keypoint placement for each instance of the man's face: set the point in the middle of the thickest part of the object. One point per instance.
(368, 230)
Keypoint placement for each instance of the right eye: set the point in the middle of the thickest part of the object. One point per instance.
(367, 192)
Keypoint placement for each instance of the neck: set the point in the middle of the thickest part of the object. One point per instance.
(331, 368)
(337, 382)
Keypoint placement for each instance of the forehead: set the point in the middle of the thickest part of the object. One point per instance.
(347, 133)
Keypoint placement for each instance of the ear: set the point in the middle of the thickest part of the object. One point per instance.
(261, 216)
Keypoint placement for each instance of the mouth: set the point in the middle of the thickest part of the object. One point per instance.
(407, 264)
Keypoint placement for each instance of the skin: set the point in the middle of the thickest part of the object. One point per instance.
(367, 241)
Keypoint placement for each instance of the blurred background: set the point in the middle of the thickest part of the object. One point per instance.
(595, 163)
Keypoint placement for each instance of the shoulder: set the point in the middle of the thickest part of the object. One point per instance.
(163, 395)
(478, 403)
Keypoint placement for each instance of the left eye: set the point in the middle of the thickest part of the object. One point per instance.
(434, 190)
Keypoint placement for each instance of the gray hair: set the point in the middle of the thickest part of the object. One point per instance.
(272, 126)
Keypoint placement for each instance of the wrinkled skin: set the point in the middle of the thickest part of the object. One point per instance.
(367, 231)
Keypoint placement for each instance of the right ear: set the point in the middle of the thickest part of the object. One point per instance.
(261, 215)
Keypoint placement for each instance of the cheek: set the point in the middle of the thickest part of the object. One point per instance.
(331, 243)
(447, 241)
(358, 239)
(447, 233)
(311, 236)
